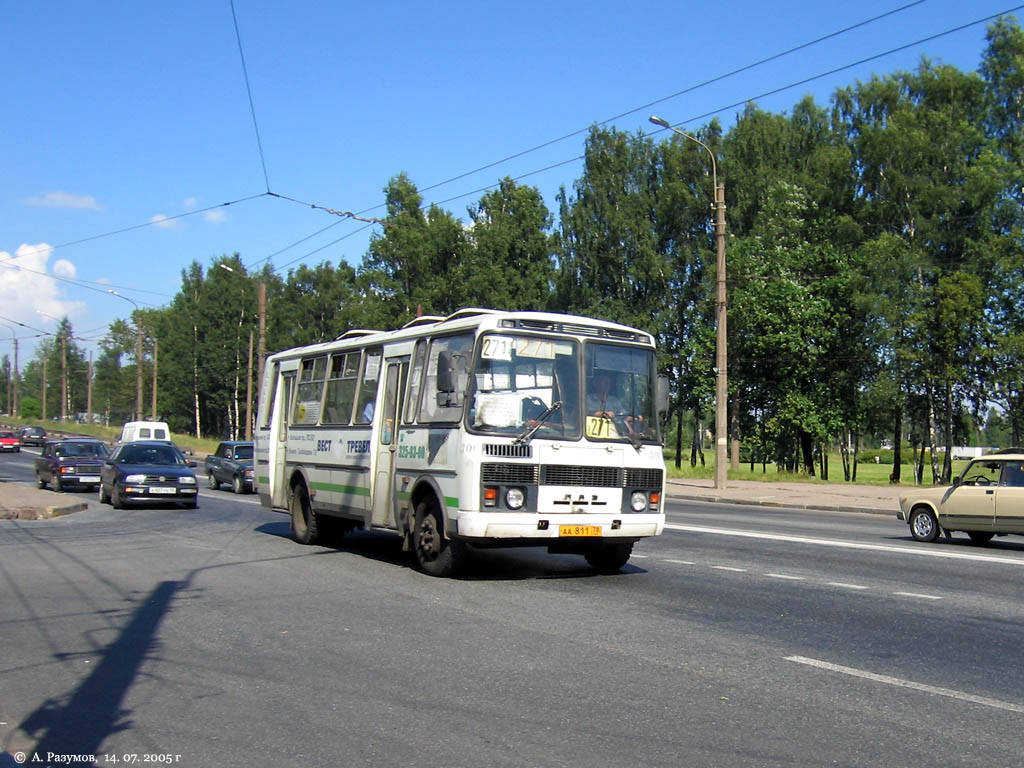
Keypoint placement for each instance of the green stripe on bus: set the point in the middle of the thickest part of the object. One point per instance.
(449, 501)
(351, 490)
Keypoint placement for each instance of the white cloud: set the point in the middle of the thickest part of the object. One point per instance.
(191, 203)
(64, 268)
(163, 222)
(61, 199)
(28, 287)
(216, 216)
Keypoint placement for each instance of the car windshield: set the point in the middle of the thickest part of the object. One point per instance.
(82, 450)
(151, 454)
(243, 452)
(7, 434)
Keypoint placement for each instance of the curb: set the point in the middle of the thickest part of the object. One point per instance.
(41, 513)
(784, 504)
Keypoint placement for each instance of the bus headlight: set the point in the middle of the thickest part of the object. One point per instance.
(638, 501)
(515, 498)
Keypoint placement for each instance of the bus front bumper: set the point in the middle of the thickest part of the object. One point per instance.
(531, 525)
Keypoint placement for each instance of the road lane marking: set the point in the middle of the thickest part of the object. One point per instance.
(846, 586)
(923, 552)
(784, 576)
(681, 562)
(899, 682)
(727, 568)
(918, 595)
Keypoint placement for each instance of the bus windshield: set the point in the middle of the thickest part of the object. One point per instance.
(530, 385)
(518, 379)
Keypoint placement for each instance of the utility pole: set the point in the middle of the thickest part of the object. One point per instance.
(153, 403)
(262, 347)
(248, 393)
(64, 375)
(44, 389)
(88, 393)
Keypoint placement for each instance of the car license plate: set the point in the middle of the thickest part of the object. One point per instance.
(163, 490)
(88, 478)
(579, 530)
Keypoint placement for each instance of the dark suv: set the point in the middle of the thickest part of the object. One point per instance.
(32, 436)
(74, 463)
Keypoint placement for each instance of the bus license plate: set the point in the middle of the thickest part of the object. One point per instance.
(579, 530)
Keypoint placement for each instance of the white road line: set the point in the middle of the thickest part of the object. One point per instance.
(846, 586)
(922, 551)
(784, 576)
(681, 562)
(634, 556)
(918, 595)
(984, 701)
(727, 568)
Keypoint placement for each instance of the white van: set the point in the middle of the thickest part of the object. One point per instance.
(145, 430)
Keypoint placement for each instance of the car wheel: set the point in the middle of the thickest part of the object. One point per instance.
(304, 520)
(923, 525)
(435, 555)
(58, 486)
(211, 480)
(40, 483)
(609, 558)
(104, 496)
(980, 537)
(116, 499)
(237, 485)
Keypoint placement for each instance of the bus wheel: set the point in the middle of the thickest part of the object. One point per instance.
(304, 523)
(435, 555)
(609, 558)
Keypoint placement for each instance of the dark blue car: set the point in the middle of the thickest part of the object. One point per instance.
(148, 472)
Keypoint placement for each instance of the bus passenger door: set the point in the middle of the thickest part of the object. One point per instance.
(382, 492)
(279, 442)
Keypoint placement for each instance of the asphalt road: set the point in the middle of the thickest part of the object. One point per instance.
(741, 637)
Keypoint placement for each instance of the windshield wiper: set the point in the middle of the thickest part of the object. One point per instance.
(525, 437)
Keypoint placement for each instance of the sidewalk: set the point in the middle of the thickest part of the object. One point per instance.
(830, 497)
(22, 502)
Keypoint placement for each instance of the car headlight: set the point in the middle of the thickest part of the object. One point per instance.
(187, 480)
(135, 478)
(638, 501)
(515, 498)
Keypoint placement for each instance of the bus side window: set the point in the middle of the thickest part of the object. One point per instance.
(341, 388)
(311, 387)
(412, 404)
(367, 398)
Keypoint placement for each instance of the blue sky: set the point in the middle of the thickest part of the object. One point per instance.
(134, 115)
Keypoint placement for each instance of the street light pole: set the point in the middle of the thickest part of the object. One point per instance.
(12, 386)
(138, 352)
(721, 348)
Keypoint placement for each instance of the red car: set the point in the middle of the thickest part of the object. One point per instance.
(9, 441)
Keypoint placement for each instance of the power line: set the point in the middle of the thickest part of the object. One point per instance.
(248, 90)
(718, 78)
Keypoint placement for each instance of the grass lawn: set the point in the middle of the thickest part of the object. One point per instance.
(867, 474)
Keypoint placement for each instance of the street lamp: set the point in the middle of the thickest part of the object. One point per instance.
(138, 352)
(721, 379)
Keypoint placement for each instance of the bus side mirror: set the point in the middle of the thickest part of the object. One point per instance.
(661, 394)
(447, 378)
(445, 374)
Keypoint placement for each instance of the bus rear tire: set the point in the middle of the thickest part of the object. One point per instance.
(609, 558)
(304, 522)
(435, 555)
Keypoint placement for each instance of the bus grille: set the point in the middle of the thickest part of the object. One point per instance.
(644, 479)
(506, 474)
(508, 451)
(560, 474)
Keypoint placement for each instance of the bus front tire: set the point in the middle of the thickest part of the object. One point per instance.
(435, 555)
(609, 558)
(304, 522)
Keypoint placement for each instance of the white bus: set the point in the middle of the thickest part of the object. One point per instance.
(483, 428)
